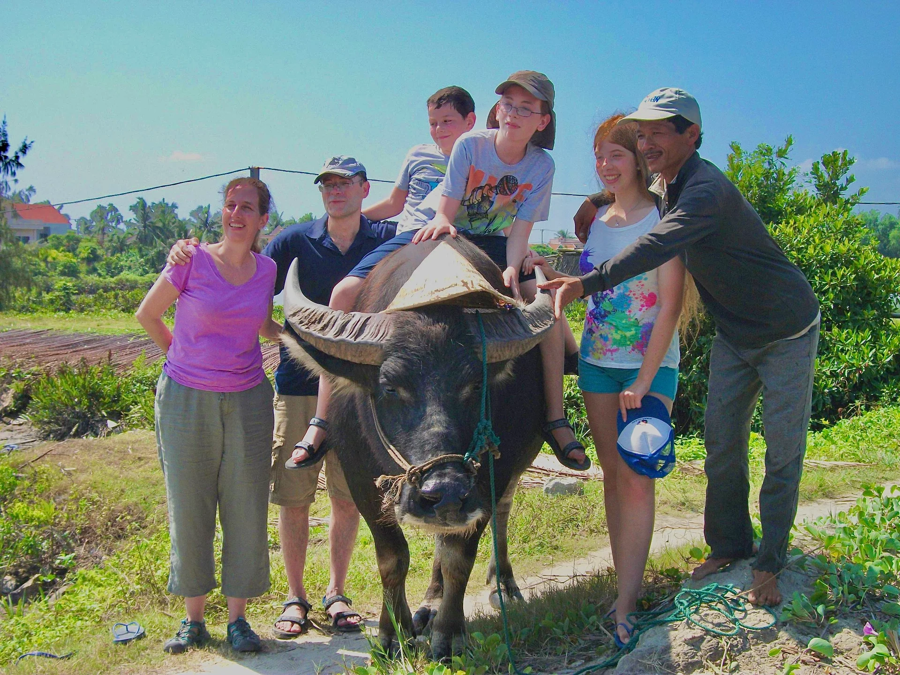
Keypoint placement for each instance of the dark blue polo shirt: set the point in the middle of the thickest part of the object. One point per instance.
(321, 266)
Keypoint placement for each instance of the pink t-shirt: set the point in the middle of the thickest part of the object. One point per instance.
(215, 344)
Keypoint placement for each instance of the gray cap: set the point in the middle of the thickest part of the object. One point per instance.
(340, 165)
(665, 103)
(538, 85)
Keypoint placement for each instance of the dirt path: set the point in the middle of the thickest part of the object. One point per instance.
(315, 653)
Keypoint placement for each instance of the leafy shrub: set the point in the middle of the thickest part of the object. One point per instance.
(858, 362)
(86, 400)
(15, 388)
(78, 401)
(85, 295)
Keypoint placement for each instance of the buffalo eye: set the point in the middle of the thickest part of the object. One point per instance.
(472, 389)
(388, 389)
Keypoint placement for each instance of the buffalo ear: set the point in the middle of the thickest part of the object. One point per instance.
(341, 372)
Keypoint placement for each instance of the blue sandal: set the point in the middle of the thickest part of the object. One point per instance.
(315, 454)
(617, 639)
(126, 632)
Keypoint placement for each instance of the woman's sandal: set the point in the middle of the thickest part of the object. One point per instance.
(347, 627)
(562, 454)
(302, 622)
(628, 629)
(315, 454)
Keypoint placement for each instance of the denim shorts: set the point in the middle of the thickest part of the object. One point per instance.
(376, 255)
(494, 246)
(601, 380)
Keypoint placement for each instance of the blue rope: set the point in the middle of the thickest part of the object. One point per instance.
(484, 437)
(687, 605)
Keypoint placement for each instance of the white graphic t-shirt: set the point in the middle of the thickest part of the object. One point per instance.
(493, 193)
(618, 322)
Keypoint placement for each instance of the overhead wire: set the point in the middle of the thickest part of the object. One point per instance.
(59, 205)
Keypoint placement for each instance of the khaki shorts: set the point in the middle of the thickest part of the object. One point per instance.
(297, 487)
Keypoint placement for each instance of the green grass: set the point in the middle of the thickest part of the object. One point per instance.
(124, 579)
(104, 323)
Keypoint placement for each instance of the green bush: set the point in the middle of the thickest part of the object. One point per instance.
(15, 388)
(86, 294)
(857, 361)
(86, 400)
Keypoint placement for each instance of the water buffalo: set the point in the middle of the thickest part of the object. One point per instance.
(410, 382)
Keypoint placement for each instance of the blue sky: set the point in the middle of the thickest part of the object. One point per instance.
(118, 96)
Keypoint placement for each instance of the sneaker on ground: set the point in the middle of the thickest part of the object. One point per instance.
(242, 637)
(191, 634)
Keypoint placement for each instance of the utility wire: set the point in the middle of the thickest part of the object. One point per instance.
(311, 173)
(59, 205)
(27, 207)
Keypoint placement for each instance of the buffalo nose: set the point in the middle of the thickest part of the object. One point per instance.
(443, 499)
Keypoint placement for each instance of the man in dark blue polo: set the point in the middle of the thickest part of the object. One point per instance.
(767, 331)
(326, 250)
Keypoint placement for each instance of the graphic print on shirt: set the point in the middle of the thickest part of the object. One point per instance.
(611, 324)
(491, 204)
(425, 180)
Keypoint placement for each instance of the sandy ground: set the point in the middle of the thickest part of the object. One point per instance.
(316, 653)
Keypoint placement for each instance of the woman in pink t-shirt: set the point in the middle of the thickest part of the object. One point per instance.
(214, 414)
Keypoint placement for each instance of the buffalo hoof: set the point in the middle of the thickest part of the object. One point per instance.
(442, 645)
(509, 595)
(392, 650)
(422, 619)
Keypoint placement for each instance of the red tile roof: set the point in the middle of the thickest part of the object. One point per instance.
(41, 212)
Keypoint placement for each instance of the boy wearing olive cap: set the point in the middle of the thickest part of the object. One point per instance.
(497, 186)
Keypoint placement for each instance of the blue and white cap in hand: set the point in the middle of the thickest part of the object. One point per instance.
(646, 439)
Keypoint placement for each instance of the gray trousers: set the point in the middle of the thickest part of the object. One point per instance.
(783, 371)
(215, 450)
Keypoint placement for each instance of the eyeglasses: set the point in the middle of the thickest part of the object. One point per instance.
(337, 185)
(520, 111)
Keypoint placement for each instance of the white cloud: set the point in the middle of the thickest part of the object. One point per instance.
(805, 166)
(179, 156)
(878, 164)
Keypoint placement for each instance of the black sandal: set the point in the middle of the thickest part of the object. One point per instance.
(562, 454)
(315, 454)
(285, 634)
(347, 627)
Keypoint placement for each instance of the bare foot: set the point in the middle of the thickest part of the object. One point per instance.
(710, 566)
(764, 592)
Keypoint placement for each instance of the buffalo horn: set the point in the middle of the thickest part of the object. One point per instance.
(511, 333)
(357, 337)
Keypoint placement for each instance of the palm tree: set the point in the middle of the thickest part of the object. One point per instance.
(204, 226)
(563, 234)
(10, 163)
(103, 220)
